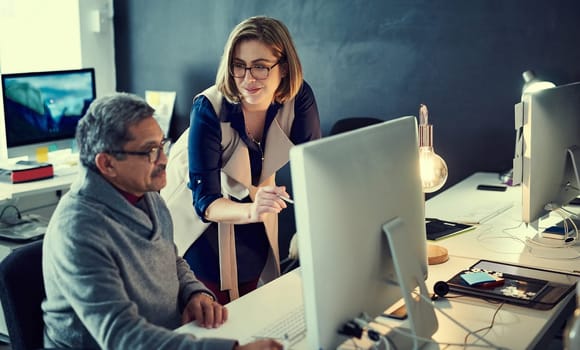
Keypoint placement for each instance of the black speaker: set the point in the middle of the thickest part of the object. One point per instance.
(441, 288)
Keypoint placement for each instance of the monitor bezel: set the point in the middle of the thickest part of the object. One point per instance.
(346, 187)
(551, 127)
(56, 142)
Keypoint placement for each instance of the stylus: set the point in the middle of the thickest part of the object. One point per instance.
(286, 199)
(490, 285)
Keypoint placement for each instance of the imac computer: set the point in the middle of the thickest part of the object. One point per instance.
(346, 188)
(551, 137)
(42, 109)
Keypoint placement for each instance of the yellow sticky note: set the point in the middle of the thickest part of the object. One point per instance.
(42, 154)
(153, 98)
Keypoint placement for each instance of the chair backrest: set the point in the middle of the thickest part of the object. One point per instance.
(348, 124)
(21, 294)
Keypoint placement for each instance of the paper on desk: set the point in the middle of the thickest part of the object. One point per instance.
(481, 214)
(468, 212)
(463, 202)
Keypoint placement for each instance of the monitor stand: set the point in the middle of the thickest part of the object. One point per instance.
(436, 254)
(421, 314)
(65, 162)
(572, 166)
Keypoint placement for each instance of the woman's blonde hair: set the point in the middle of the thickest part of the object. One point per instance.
(275, 35)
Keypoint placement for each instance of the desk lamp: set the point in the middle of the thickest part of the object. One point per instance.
(433, 175)
(533, 84)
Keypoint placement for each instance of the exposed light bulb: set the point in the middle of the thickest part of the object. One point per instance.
(433, 167)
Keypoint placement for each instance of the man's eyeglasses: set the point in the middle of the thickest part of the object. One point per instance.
(259, 72)
(153, 154)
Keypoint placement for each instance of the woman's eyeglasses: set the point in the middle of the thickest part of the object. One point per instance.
(259, 72)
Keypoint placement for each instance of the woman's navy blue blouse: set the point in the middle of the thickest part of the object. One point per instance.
(205, 164)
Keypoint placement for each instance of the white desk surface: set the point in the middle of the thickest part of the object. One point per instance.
(501, 237)
(514, 328)
(58, 182)
(253, 311)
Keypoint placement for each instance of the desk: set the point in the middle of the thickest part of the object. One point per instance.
(515, 327)
(39, 197)
(501, 237)
(58, 182)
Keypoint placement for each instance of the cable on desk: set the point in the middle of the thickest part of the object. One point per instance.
(484, 328)
(566, 242)
(571, 213)
(568, 219)
(385, 343)
(389, 344)
(49, 205)
(511, 235)
(10, 206)
(492, 233)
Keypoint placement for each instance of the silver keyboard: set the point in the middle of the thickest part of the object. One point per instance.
(291, 327)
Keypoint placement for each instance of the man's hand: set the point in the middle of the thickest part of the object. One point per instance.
(263, 344)
(203, 309)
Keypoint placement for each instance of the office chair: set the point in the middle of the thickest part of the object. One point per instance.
(21, 293)
(348, 124)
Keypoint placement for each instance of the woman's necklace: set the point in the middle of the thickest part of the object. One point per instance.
(258, 143)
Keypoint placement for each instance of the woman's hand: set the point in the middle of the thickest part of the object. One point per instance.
(267, 201)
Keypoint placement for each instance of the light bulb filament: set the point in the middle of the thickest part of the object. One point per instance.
(433, 170)
(423, 115)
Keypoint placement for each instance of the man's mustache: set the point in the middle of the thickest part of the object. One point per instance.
(159, 170)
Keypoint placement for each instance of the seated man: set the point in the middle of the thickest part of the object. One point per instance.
(111, 271)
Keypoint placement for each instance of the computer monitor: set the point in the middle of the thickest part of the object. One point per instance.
(346, 187)
(42, 109)
(551, 135)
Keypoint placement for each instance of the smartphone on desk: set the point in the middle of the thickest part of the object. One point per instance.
(492, 188)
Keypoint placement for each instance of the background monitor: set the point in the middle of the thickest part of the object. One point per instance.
(551, 128)
(43, 108)
(345, 188)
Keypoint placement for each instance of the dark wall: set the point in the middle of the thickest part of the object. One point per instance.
(378, 58)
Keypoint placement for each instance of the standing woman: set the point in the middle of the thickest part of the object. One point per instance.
(241, 131)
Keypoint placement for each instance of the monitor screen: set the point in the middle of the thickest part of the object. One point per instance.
(551, 129)
(43, 108)
(345, 188)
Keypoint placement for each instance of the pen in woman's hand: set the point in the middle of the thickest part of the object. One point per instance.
(286, 199)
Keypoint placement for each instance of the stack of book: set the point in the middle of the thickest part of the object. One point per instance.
(24, 171)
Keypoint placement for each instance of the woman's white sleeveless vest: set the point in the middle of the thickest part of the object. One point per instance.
(236, 181)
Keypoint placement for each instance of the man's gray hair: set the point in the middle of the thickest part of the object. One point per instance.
(105, 126)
